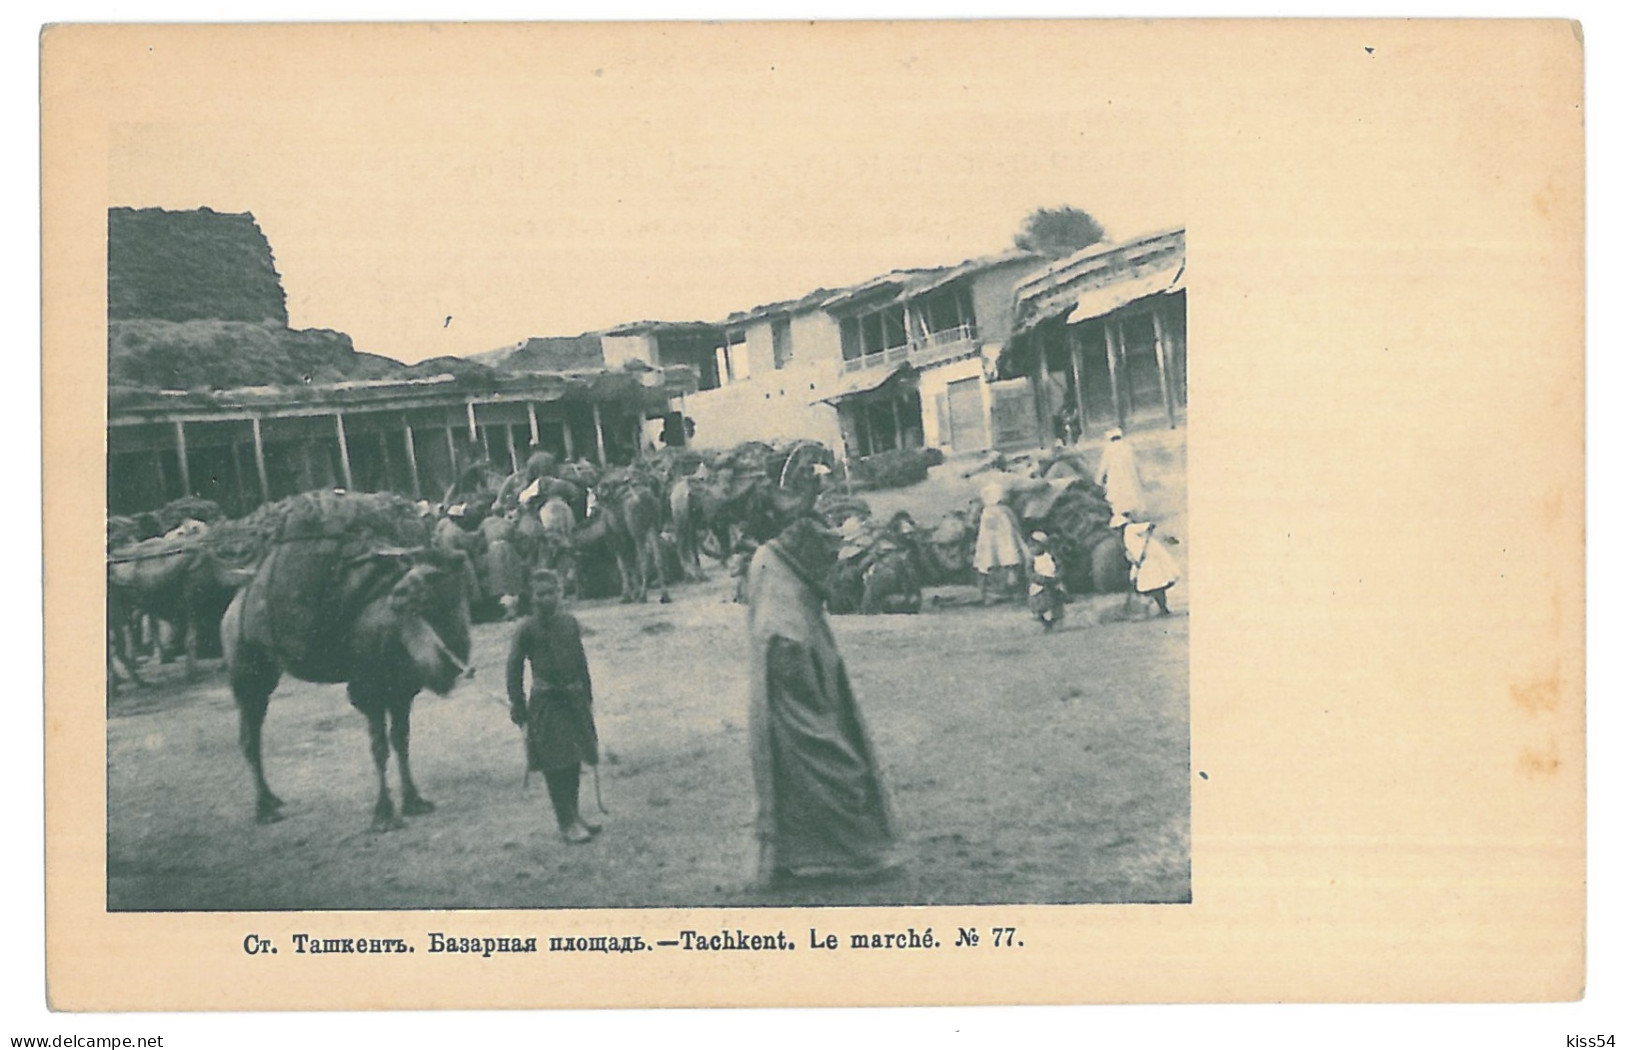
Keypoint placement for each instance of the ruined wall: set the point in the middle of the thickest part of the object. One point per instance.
(191, 266)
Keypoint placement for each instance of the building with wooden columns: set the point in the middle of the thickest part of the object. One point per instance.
(245, 447)
(1000, 352)
(1099, 337)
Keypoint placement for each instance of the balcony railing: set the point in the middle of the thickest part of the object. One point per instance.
(948, 343)
(936, 346)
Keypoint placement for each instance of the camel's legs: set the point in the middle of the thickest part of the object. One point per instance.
(400, 733)
(191, 647)
(567, 575)
(649, 551)
(383, 814)
(632, 589)
(253, 677)
(646, 548)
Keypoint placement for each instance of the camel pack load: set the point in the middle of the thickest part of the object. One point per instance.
(1077, 519)
(309, 541)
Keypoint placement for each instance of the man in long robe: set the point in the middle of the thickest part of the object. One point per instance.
(1001, 553)
(559, 730)
(1119, 475)
(820, 809)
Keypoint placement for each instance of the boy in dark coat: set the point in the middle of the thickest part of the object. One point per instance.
(559, 730)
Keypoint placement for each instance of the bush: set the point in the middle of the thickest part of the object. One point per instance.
(894, 469)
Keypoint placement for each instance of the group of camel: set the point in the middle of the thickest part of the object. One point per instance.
(330, 586)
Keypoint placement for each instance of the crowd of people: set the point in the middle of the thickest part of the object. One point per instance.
(1005, 554)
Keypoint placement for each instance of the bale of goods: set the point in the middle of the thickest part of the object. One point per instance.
(771, 460)
(952, 544)
(124, 531)
(579, 472)
(558, 488)
(188, 508)
(319, 571)
(836, 507)
(1078, 522)
(879, 567)
(747, 457)
(674, 462)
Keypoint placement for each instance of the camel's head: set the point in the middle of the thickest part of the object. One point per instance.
(431, 605)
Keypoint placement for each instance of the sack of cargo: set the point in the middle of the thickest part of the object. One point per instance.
(322, 566)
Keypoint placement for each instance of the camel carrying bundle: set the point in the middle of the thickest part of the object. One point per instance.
(1078, 522)
(328, 554)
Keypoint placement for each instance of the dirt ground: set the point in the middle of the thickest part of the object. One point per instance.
(1022, 768)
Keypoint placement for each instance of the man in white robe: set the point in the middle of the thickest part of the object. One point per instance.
(1152, 569)
(1119, 475)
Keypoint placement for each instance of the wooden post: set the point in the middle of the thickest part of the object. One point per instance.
(513, 454)
(569, 436)
(180, 451)
(163, 481)
(1130, 405)
(383, 447)
(896, 423)
(1074, 343)
(1162, 366)
(473, 430)
(1046, 425)
(598, 431)
(451, 454)
(1111, 370)
(259, 460)
(412, 459)
(344, 452)
(535, 434)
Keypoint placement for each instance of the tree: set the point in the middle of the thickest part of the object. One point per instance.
(1059, 231)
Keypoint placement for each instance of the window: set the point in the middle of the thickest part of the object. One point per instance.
(873, 333)
(851, 343)
(733, 358)
(698, 350)
(946, 313)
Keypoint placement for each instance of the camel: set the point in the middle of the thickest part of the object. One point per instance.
(686, 518)
(180, 580)
(388, 621)
(628, 515)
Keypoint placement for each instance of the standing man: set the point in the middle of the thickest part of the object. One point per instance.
(1152, 569)
(504, 567)
(1001, 554)
(1119, 475)
(559, 730)
(820, 809)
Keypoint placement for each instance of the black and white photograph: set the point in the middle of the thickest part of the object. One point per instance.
(598, 504)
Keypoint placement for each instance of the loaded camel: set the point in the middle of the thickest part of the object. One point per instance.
(349, 591)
